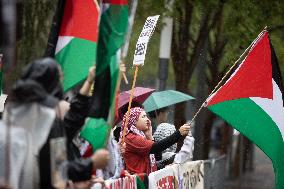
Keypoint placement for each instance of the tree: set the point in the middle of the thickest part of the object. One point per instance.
(34, 18)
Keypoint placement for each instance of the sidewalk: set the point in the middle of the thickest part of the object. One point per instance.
(262, 177)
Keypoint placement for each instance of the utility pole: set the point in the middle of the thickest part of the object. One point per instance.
(165, 48)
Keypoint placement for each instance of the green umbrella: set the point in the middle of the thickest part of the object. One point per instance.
(163, 99)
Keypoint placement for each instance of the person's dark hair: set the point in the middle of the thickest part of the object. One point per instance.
(155, 113)
(116, 133)
(40, 80)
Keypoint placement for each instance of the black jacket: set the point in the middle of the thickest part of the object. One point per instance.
(77, 169)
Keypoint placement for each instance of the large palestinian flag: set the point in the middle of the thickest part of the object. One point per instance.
(77, 42)
(112, 31)
(251, 101)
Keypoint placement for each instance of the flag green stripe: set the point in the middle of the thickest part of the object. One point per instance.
(113, 26)
(75, 59)
(114, 71)
(95, 131)
(247, 117)
(140, 184)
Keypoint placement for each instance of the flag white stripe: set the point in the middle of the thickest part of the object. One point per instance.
(273, 107)
(62, 42)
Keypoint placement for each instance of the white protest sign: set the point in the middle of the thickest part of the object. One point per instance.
(142, 43)
(191, 175)
(163, 179)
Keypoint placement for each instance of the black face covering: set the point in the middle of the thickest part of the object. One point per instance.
(39, 82)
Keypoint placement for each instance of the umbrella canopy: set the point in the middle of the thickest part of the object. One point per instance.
(140, 95)
(163, 99)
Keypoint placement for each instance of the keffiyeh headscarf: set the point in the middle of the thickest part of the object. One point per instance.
(131, 126)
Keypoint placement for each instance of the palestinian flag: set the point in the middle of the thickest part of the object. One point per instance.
(77, 40)
(96, 133)
(251, 101)
(112, 32)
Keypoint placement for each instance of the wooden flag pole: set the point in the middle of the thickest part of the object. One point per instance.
(129, 105)
(125, 78)
(225, 76)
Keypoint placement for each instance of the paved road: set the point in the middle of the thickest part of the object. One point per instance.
(261, 178)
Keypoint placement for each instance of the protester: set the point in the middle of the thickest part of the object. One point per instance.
(140, 145)
(39, 90)
(159, 116)
(115, 167)
(163, 130)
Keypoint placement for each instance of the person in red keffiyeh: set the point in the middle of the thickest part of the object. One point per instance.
(140, 145)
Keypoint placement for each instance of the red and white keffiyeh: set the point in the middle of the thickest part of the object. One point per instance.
(131, 126)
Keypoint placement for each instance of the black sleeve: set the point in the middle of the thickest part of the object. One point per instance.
(163, 144)
(75, 117)
(80, 170)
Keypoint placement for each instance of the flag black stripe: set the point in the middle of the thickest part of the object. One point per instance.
(276, 74)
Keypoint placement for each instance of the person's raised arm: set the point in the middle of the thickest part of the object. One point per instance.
(74, 119)
(85, 89)
(170, 140)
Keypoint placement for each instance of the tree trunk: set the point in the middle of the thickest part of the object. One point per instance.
(247, 155)
(207, 133)
(226, 138)
(199, 126)
(180, 46)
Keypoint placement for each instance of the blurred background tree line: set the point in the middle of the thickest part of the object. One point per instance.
(208, 37)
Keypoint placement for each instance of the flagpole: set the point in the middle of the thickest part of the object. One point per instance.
(227, 73)
(129, 105)
(124, 49)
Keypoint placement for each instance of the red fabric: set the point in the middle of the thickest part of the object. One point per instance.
(136, 155)
(253, 78)
(77, 17)
(116, 2)
(88, 153)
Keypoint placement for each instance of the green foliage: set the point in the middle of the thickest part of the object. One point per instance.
(35, 18)
(242, 21)
(147, 74)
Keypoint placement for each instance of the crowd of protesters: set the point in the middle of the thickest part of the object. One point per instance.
(42, 127)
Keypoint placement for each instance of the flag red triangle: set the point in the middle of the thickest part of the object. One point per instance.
(253, 78)
(80, 20)
(116, 2)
